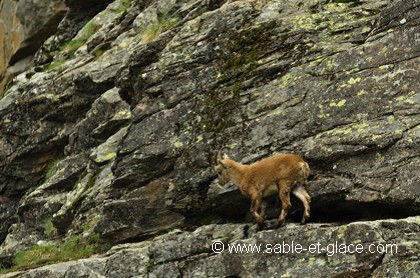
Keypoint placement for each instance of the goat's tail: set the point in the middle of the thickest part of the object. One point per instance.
(306, 171)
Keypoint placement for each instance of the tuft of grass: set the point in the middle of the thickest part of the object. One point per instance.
(98, 52)
(57, 66)
(49, 228)
(164, 23)
(87, 31)
(72, 46)
(346, 1)
(6, 88)
(51, 167)
(124, 5)
(150, 265)
(72, 248)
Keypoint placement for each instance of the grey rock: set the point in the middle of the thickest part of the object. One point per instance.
(315, 249)
(140, 214)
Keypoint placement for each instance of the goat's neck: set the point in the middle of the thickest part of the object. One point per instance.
(237, 170)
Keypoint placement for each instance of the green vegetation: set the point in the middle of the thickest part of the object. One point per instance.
(57, 66)
(88, 30)
(227, 238)
(245, 47)
(6, 88)
(72, 46)
(346, 1)
(51, 167)
(164, 23)
(97, 52)
(49, 229)
(125, 4)
(90, 223)
(150, 265)
(72, 248)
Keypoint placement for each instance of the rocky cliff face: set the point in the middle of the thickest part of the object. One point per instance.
(113, 132)
(25, 25)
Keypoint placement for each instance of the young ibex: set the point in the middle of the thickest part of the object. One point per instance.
(278, 174)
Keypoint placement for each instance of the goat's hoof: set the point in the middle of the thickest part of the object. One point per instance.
(304, 219)
(261, 225)
(279, 224)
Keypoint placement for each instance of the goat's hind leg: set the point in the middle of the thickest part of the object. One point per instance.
(300, 192)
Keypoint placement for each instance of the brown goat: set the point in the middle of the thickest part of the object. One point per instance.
(278, 174)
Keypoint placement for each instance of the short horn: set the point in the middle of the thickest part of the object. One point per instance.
(219, 157)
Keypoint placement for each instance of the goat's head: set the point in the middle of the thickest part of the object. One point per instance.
(222, 168)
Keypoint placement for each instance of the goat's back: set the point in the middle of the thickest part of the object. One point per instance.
(278, 167)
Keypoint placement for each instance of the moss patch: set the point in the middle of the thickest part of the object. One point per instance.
(49, 228)
(72, 248)
(124, 5)
(245, 48)
(56, 66)
(165, 21)
(52, 167)
(87, 31)
(72, 46)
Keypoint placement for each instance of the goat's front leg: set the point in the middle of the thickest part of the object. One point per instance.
(284, 194)
(255, 206)
(263, 208)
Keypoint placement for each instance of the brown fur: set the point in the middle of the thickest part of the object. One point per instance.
(279, 174)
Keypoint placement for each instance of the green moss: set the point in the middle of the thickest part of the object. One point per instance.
(87, 31)
(72, 46)
(56, 65)
(346, 1)
(150, 265)
(93, 176)
(49, 230)
(245, 48)
(124, 5)
(7, 88)
(97, 52)
(51, 167)
(219, 108)
(90, 223)
(72, 248)
(164, 23)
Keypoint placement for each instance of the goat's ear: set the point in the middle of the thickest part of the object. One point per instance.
(219, 159)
